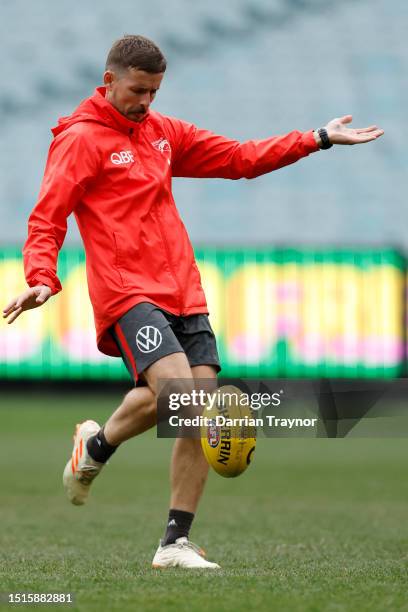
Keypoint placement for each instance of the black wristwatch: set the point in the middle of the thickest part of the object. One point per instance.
(324, 137)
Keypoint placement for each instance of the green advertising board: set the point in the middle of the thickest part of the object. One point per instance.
(293, 312)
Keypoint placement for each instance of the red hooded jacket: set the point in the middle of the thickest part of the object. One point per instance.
(115, 176)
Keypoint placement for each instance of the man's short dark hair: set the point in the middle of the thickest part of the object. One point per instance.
(134, 51)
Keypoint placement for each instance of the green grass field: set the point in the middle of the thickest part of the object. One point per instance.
(313, 525)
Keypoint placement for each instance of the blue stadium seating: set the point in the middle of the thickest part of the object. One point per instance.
(244, 68)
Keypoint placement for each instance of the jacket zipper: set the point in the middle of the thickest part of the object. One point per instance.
(133, 135)
(173, 273)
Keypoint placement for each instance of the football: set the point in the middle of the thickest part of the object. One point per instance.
(228, 438)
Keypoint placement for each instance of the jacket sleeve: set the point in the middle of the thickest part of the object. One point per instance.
(71, 164)
(199, 153)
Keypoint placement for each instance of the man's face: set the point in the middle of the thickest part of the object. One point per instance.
(132, 91)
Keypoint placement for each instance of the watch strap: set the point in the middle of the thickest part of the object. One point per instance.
(324, 137)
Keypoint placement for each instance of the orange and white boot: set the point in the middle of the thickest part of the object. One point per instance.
(81, 469)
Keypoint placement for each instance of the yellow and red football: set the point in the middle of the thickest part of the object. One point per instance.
(228, 438)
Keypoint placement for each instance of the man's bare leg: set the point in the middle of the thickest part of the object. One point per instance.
(189, 467)
(136, 414)
(188, 476)
(138, 411)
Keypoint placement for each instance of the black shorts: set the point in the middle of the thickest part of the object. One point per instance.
(147, 333)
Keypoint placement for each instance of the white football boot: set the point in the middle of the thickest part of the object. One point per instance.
(81, 469)
(182, 553)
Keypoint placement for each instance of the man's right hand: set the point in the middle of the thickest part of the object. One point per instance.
(31, 298)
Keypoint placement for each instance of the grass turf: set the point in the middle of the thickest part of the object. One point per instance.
(313, 525)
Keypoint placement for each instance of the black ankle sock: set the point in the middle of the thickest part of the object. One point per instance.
(98, 447)
(178, 525)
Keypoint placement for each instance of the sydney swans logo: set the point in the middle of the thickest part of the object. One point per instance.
(161, 145)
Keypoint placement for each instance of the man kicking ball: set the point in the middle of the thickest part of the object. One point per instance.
(111, 163)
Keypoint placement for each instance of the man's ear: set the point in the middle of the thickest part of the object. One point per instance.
(108, 78)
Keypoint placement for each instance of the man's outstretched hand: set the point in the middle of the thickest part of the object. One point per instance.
(31, 298)
(340, 134)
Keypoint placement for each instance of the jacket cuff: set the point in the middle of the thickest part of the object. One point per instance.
(309, 142)
(43, 279)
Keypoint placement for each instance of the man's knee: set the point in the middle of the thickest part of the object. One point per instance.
(172, 372)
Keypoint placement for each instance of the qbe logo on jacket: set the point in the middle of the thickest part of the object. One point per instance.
(123, 157)
(148, 339)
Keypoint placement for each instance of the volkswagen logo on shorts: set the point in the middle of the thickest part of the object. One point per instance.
(148, 339)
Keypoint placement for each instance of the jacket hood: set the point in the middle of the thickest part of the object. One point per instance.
(99, 110)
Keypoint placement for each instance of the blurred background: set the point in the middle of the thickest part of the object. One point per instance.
(316, 250)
